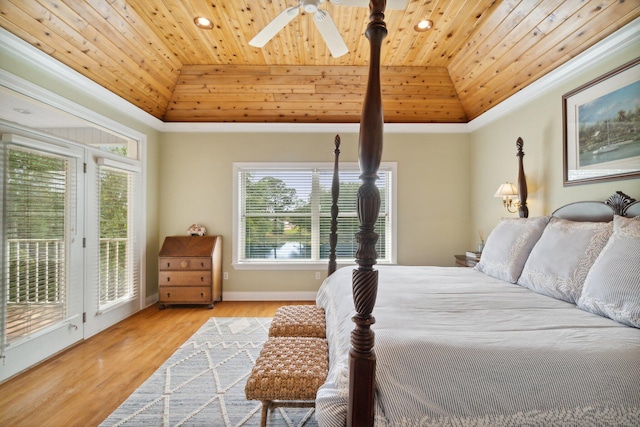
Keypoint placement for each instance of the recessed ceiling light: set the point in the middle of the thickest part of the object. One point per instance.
(202, 22)
(424, 25)
(22, 110)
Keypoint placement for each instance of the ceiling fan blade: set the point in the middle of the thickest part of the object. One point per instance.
(391, 4)
(273, 27)
(330, 33)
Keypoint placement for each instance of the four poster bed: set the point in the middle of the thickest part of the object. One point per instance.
(543, 331)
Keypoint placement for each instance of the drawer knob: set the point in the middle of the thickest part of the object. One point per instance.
(168, 294)
(168, 278)
(202, 294)
(184, 264)
(202, 264)
(168, 264)
(201, 279)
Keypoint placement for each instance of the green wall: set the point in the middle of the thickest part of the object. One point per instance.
(196, 186)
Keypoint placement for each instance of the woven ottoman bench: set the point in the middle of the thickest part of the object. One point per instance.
(288, 373)
(298, 321)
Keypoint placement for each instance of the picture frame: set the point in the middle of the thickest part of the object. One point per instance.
(601, 128)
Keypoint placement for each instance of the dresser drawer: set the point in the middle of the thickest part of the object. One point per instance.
(177, 263)
(179, 294)
(184, 278)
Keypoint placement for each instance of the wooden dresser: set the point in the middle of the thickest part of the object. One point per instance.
(190, 270)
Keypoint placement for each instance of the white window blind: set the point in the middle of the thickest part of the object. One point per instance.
(283, 214)
(38, 193)
(119, 267)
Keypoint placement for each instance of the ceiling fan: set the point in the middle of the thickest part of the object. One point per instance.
(321, 18)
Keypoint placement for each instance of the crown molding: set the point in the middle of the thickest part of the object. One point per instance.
(312, 127)
(597, 53)
(40, 60)
(21, 49)
(32, 90)
(601, 51)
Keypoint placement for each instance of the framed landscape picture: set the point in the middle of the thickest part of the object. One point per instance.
(601, 124)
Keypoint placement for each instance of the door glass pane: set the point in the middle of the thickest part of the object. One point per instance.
(36, 218)
(116, 279)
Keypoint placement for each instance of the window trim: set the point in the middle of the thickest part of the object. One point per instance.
(303, 264)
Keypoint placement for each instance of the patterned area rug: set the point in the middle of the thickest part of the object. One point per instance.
(202, 383)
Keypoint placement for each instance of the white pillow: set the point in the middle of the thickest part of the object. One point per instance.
(612, 286)
(509, 245)
(559, 262)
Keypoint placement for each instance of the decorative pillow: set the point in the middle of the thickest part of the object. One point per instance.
(612, 286)
(560, 260)
(509, 245)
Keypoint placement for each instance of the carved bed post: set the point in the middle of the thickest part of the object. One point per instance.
(335, 193)
(523, 210)
(362, 360)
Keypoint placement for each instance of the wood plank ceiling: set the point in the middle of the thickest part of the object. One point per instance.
(149, 52)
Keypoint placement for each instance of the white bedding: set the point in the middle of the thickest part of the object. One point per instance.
(457, 347)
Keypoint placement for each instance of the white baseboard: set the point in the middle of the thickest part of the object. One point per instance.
(151, 299)
(253, 296)
(269, 296)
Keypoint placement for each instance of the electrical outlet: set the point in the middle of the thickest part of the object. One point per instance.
(317, 275)
(225, 276)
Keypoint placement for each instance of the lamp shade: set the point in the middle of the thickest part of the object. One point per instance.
(506, 189)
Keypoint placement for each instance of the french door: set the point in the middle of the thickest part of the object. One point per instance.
(70, 245)
(42, 253)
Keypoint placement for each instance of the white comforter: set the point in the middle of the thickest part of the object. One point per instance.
(457, 347)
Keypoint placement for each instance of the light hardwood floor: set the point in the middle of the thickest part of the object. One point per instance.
(84, 384)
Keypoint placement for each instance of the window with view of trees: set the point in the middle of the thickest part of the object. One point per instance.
(284, 213)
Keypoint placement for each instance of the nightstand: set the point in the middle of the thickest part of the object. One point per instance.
(464, 261)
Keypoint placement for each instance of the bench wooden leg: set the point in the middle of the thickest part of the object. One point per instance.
(265, 410)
